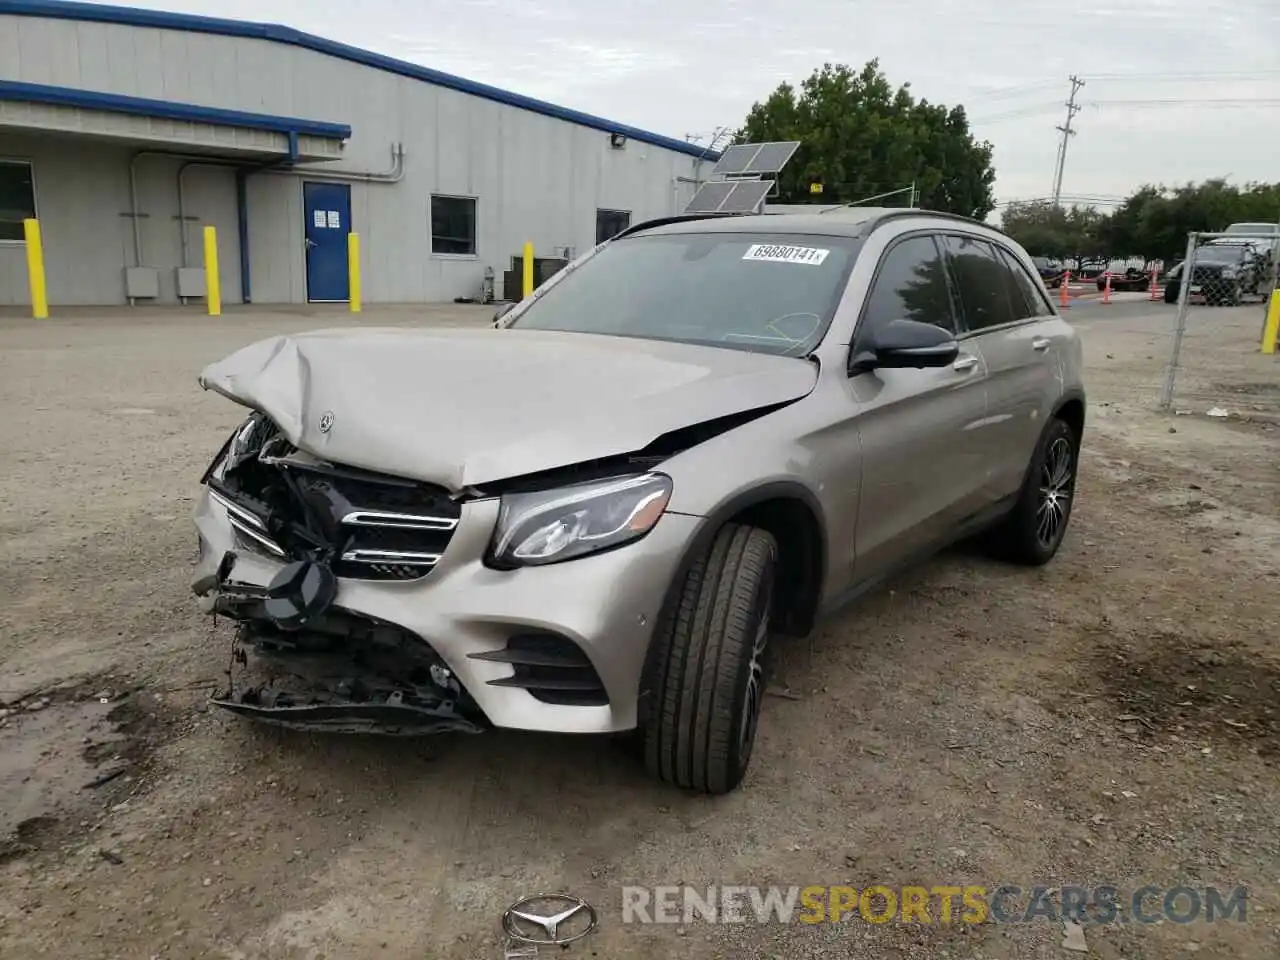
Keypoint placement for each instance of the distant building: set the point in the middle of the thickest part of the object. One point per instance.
(126, 131)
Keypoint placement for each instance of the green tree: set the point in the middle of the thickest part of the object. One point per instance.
(860, 137)
(1155, 220)
(1053, 231)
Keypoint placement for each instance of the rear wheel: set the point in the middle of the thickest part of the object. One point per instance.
(1033, 530)
(710, 671)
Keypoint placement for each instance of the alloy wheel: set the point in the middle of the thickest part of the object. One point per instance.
(755, 675)
(1057, 483)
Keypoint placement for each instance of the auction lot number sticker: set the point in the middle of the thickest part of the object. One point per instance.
(782, 253)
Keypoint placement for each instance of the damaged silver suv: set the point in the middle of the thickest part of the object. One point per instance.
(593, 516)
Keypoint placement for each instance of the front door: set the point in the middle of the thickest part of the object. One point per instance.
(921, 469)
(1015, 329)
(327, 207)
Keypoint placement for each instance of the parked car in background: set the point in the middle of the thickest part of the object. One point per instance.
(1223, 274)
(1091, 268)
(1130, 279)
(592, 518)
(1264, 236)
(1051, 271)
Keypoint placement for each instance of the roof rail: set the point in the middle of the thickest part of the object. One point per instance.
(663, 221)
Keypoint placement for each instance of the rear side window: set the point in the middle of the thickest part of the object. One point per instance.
(1024, 291)
(911, 284)
(982, 281)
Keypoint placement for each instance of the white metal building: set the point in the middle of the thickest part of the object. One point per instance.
(126, 131)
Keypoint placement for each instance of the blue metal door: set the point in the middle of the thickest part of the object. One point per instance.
(327, 207)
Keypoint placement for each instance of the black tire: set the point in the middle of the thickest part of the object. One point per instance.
(1047, 496)
(709, 670)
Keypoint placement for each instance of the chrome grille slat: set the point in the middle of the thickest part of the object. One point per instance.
(237, 511)
(255, 535)
(402, 521)
(405, 557)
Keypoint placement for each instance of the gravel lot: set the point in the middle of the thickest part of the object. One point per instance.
(1112, 718)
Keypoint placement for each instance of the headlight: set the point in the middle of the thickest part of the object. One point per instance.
(246, 440)
(555, 525)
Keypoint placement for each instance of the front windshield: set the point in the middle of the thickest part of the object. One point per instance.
(1224, 253)
(770, 293)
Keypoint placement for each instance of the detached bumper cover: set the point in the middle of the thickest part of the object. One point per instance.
(392, 715)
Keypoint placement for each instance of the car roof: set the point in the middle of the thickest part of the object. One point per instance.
(853, 222)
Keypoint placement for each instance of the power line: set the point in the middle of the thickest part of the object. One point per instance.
(1067, 134)
(1027, 111)
(1042, 108)
(1187, 101)
(1177, 77)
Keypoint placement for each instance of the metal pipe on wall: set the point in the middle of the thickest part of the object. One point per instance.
(394, 175)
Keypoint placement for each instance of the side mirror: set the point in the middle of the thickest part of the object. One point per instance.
(905, 343)
(501, 312)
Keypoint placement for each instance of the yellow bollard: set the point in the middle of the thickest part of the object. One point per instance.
(1271, 331)
(528, 270)
(212, 284)
(35, 269)
(353, 270)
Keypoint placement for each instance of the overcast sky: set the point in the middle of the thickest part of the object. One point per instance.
(680, 67)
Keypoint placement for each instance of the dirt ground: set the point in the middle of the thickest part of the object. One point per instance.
(1112, 718)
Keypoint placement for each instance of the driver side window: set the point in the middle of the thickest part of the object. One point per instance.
(911, 284)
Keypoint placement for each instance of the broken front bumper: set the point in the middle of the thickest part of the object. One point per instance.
(491, 633)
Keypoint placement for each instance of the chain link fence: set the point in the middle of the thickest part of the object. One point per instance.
(1222, 289)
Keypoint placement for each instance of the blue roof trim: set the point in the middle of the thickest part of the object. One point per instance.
(163, 20)
(168, 110)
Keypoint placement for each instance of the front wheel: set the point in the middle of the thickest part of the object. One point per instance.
(709, 674)
(1033, 530)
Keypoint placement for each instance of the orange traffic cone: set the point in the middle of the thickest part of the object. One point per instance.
(1062, 290)
(1155, 294)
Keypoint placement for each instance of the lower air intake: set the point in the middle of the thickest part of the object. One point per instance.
(552, 668)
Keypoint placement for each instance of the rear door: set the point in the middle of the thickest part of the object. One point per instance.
(1013, 327)
(920, 470)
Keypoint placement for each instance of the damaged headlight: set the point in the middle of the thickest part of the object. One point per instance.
(245, 441)
(550, 526)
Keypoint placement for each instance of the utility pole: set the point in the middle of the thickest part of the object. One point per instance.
(1067, 134)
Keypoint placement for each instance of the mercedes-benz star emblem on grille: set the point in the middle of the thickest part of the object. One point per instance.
(550, 919)
(326, 421)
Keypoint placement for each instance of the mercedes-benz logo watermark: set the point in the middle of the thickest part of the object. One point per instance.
(326, 421)
(550, 919)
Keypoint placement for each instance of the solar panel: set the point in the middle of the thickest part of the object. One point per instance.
(731, 196)
(709, 197)
(735, 158)
(756, 157)
(772, 157)
(746, 197)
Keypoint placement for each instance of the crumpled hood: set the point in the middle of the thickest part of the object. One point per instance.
(463, 407)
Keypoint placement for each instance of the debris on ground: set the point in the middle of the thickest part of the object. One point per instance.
(1073, 937)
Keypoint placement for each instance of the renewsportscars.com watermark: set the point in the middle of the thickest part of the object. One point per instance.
(1096, 904)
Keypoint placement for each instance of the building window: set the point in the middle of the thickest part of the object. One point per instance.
(17, 198)
(610, 223)
(453, 225)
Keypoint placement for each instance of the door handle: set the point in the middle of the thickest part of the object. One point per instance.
(311, 243)
(1040, 343)
(964, 363)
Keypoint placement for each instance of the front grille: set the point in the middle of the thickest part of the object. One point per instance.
(367, 526)
(552, 668)
(1202, 274)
